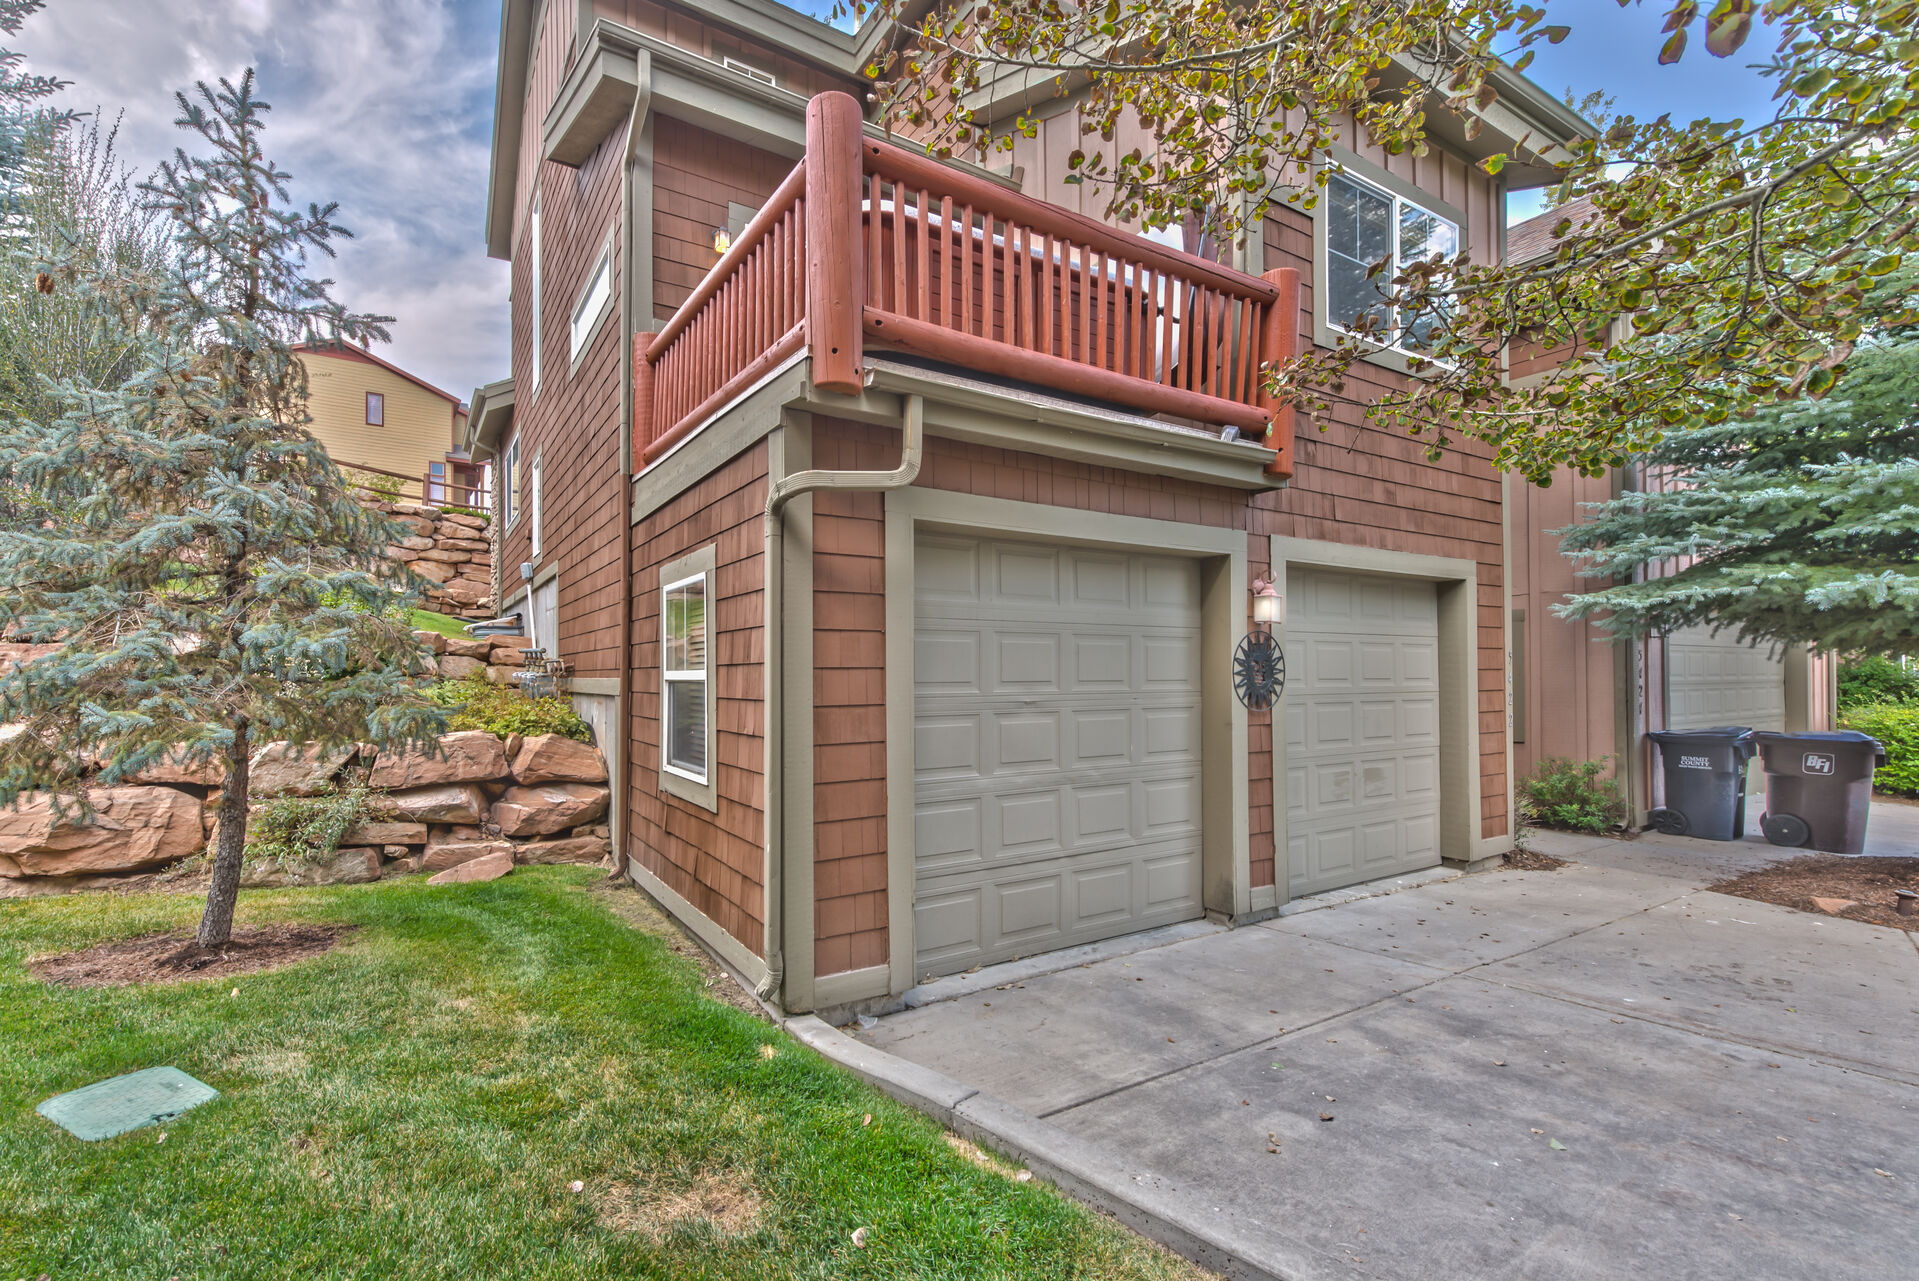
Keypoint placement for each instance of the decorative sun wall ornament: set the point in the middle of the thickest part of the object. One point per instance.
(1259, 670)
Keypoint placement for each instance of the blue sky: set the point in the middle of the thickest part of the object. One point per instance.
(387, 107)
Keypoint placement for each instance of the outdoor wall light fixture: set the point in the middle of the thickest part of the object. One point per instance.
(1269, 607)
(722, 241)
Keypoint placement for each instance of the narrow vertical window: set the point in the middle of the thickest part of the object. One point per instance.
(594, 300)
(533, 237)
(683, 668)
(375, 409)
(436, 482)
(533, 506)
(510, 484)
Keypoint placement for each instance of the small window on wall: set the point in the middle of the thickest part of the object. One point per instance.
(533, 507)
(436, 482)
(1366, 225)
(683, 674)
(593, 304)
(375, 409)
(510, 484)
(533, 236)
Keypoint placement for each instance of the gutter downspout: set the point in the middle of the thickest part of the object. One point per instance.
(782, 490)
(635, 123)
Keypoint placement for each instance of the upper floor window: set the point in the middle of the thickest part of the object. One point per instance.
(376, 409)
(533, 238)
(1367, 225)
(510, 483)
(593, 303)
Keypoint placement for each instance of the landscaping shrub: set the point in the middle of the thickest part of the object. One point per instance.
(1575, 796)
(477, 703)
(1873, 680)
(295, 831)
(1896, 726)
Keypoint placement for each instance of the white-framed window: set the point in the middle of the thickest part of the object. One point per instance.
(593, 304)
(436, 482)
(375, 409)
(510, 484)
(1366, 225)
(533, 506)
(533, 239)
(684, 676)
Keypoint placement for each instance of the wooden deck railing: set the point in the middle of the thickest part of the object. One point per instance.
(871, 244)
(423, 489)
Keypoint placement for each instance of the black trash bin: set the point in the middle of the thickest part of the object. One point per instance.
(1705, 781)
(1818, 788)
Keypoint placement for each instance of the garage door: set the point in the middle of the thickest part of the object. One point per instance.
(1362, 728)
(1715, 680)
(1056, 747)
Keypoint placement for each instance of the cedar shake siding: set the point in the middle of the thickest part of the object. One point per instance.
(571, 422)
(1367, 486)
(713, 859)
(696, 175)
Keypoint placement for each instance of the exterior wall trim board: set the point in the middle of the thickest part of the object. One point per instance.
(734, 954)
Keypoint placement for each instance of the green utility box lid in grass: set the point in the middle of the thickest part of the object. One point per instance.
(122, 1103)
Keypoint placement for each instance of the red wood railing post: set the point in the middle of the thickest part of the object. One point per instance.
(1279, 343)
(642, 396)
(835, 282)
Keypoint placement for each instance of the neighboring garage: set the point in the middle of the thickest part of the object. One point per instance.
(1056, 747)
(1717, 680)
(1362, 728)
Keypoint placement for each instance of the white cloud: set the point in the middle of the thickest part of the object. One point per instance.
(382, 105)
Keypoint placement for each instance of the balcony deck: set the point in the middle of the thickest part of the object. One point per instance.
(868, 245)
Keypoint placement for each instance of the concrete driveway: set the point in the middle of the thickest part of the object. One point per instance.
(1595, 1072)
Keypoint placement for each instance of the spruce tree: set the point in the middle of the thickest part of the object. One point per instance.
(202, 565)
(23, 120)
(1796, 525)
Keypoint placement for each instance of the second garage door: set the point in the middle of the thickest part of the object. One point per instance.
(1717, 680)
(1056, 747)
(1362, 728)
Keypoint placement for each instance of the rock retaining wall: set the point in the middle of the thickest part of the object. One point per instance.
(540, 799)
(452, 551)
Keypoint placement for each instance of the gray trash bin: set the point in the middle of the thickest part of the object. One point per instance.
(1818, 788)
(1705, 771)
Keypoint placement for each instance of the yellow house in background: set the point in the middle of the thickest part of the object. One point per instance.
(373, 416)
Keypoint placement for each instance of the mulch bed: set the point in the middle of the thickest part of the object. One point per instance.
(1532, 861)
(174, 958)
(1868, 882)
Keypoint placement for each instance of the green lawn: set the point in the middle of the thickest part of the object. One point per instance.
(416, 1103)
(425, 620)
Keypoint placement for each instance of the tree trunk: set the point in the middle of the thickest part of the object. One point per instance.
(216, 925)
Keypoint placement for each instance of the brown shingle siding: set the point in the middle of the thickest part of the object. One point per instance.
(713, 860)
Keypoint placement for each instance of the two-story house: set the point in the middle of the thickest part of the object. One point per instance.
(385, 424)
(900, 521)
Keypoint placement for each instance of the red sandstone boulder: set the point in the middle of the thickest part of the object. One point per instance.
(434, 641)
(466, 591)
(565, 849)
(448, 803)
(377, 832)
(468, 756)
(553, 758)
(345, 867)
(465, 648)
(546, 808)
(453, 853)
(488, 867)
(432, 570)
(173, 769)
(456, 667)
(295, 769)
(131, 828)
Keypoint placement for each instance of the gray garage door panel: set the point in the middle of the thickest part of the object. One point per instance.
(1362, 728)
(1056, 747)
(1716, 680)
